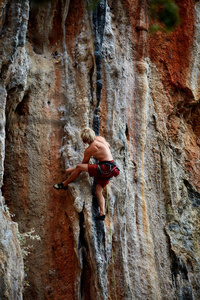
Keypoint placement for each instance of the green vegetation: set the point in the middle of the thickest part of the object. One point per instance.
(167, 13)
(92, 4)
(6, 208)
(22, 237)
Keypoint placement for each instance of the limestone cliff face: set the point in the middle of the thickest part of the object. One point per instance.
(64, 67)
(11, 262)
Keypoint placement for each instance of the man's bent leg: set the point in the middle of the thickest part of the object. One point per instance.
(75, 173)
(100, 198)
(69, 170)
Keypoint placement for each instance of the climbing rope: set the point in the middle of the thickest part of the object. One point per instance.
(113, 267)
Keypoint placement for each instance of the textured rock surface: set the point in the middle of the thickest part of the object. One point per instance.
(11, 262)
(52, 73)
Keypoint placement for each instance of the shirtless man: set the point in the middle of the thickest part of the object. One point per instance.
(102, 172)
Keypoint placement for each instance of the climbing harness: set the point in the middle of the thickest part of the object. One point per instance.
(113, 267)
(107, 169)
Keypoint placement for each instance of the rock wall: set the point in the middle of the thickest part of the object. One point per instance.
(64, 67)
(11, 261)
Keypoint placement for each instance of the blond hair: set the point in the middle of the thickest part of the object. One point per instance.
(87, 135)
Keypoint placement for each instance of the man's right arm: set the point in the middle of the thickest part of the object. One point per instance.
(87, 155)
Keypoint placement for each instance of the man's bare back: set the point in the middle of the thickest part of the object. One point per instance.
(100, 149)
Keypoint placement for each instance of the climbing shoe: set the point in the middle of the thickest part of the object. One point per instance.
(100, 218)
(60, 186)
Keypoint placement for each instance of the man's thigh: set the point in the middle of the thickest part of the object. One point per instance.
(92, 170)
(83, 167)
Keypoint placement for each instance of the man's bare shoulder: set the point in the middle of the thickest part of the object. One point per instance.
(100, 139)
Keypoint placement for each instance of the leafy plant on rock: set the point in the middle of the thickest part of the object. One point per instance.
(25, 247)
(166, 12)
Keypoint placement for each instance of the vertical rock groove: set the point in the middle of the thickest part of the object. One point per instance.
(98, 25)
(98, 17)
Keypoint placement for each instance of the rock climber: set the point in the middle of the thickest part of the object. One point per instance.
(102, 172)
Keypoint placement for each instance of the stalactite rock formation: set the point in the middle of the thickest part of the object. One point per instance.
(65, 67)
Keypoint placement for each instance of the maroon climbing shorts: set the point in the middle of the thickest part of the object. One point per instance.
(92, 170)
